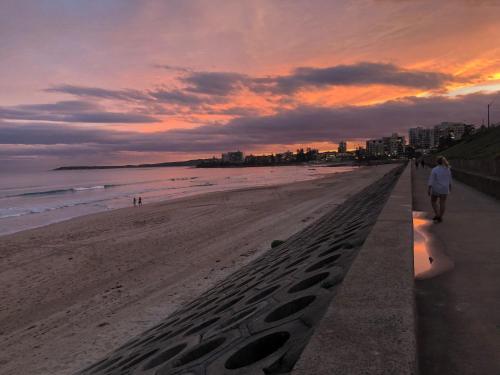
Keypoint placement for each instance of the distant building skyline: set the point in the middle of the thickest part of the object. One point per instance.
(428, 138)
(393, 146)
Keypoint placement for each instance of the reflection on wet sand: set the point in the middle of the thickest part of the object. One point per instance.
(429, 259)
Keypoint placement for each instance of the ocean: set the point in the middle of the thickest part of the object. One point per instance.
(29, 200)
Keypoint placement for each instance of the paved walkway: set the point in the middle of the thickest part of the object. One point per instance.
(459, 311)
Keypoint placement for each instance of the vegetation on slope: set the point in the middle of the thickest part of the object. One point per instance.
(485, 144)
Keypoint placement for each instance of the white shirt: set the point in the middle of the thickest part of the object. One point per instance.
(440, 180)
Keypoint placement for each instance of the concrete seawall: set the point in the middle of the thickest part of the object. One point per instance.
(487, 184)
(370, 328)
(259, 319)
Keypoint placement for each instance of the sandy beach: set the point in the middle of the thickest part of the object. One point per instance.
(75, 290)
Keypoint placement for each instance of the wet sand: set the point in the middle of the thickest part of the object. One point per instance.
(75, 290)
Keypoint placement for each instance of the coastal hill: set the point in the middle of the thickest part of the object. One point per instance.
(485, 144)
(185, 163)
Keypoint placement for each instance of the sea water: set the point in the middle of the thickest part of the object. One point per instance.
(29, 200)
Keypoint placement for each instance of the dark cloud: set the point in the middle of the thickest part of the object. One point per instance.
(173, 68)
(97, 92)
(363, 73)
(348, 75)
(61, 106)
(51, 134)
(234, 111)
(71, 111)
(180, 97)
(215, 83)
(209, 88)
(150, 98)
(301, 125)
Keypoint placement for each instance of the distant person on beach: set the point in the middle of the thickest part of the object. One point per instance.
(135, 202)
(439, 186)
(140, 201)
(416, 163)
(422, 162)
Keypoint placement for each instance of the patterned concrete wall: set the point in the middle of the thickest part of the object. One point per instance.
(259, 319)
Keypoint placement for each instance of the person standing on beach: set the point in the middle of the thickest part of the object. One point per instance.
(439, 186)
(140, 201)
(135, 202)
(416, 163)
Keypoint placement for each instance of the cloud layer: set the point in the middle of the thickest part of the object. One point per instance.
(302, 125)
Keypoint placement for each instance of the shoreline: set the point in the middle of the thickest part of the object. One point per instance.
(45, 218)
(77, 289)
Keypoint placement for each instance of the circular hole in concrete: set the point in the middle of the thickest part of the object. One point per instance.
(297, 262)
(238, 317)
(324, 238)
(332, 249)
(205, 312)
(179, 331)
(227, 287)
(283, 275)
(309, 282)
(232, 294)
(289, 308)
(164, 356)
(134, 341)
(317, 243)
(199, 351)
(257, 350)
(260, 269)
(344, 236)
(201, 326)
(163, 335)
(228, 305)
(250, 287)
(166, 324)
(311, 249)
(245, 282)
(350, 231)
(323, 263)
(102, 364)
(263, 294)
(124, 361)
(138, 360)
(144, 341)
(269, 273)
(280, 261)
(189, 317)
(210, 300)
(353, 227)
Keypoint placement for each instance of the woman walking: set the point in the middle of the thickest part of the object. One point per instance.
(439, 186)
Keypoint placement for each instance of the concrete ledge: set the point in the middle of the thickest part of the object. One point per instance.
(487, 184)
(370, 328)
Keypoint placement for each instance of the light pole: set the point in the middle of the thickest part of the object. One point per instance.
(489, 105)
(489, 115)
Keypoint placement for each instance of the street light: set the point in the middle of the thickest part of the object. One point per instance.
(489, 105)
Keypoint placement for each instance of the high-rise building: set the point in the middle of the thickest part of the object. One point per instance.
(453, 130)
(393, 146)
(422, 138)
(342, 147)
(375, 147)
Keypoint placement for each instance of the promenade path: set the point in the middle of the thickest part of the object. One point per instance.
(459, 310)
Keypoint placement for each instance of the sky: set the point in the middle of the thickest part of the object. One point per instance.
(122, 81)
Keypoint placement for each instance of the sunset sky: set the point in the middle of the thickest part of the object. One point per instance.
(117, 81)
